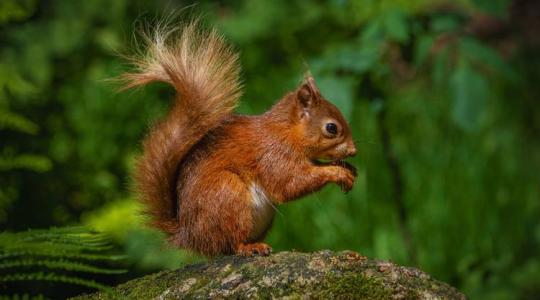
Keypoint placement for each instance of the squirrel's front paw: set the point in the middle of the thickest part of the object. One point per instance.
(346, 165)
(347, 181)
(253, 249)
(345, 175)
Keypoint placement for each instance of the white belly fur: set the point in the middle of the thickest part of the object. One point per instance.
(262, 211)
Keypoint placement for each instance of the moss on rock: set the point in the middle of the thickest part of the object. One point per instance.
(291, 275)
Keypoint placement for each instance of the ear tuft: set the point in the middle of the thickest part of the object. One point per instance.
(305, 96)
(308, 92)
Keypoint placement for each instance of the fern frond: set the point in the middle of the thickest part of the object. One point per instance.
(55, 255)
(10, 120)
(59, 264)
(36, 163)
(65, 246)
(52, 253)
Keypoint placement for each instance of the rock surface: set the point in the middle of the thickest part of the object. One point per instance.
(290, 275)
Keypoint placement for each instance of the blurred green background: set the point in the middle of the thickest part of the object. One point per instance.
(442, 97)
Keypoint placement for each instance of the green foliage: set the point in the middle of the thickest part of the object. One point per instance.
(15, 10)
(55, 255)
(470, 93)
(144, 248)
(446, 120)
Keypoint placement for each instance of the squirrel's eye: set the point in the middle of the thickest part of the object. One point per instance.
(331, 128)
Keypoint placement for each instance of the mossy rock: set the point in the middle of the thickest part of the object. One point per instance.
(290, 275)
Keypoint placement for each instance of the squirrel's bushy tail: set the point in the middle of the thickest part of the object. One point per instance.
(204, 71)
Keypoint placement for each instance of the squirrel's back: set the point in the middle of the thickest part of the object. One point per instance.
(204, 71)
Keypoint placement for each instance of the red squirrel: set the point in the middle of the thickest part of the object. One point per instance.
(210, 178)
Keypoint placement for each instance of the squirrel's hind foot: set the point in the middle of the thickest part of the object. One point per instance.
(253, 249)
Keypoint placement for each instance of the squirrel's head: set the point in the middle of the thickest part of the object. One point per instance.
(322, 127)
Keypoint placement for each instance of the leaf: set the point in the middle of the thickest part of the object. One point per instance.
(422, 48)
(17, 122)
(15, 10)
(493, 7)
(347, 58)
(440, 67)
(487, 57)
(32, 162)
(62, 264)
(445, 23)
(373, 31)
(469, 91)
(339, 91)
(395, 25)
(46, 255)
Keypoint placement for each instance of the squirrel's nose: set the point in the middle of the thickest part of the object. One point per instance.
(352, 150)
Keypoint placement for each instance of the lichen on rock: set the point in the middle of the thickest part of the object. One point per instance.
(288, 275)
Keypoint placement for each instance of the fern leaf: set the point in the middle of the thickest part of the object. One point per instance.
(17, 122)
(36, 163)
(39, 255)
(45, 252)
(59, 264)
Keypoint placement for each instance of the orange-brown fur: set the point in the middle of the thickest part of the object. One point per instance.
(201, 163)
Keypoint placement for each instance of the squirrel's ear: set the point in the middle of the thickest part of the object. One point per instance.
(305, 96)
(308, 93)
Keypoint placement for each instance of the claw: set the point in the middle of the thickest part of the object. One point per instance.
(261, 249)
